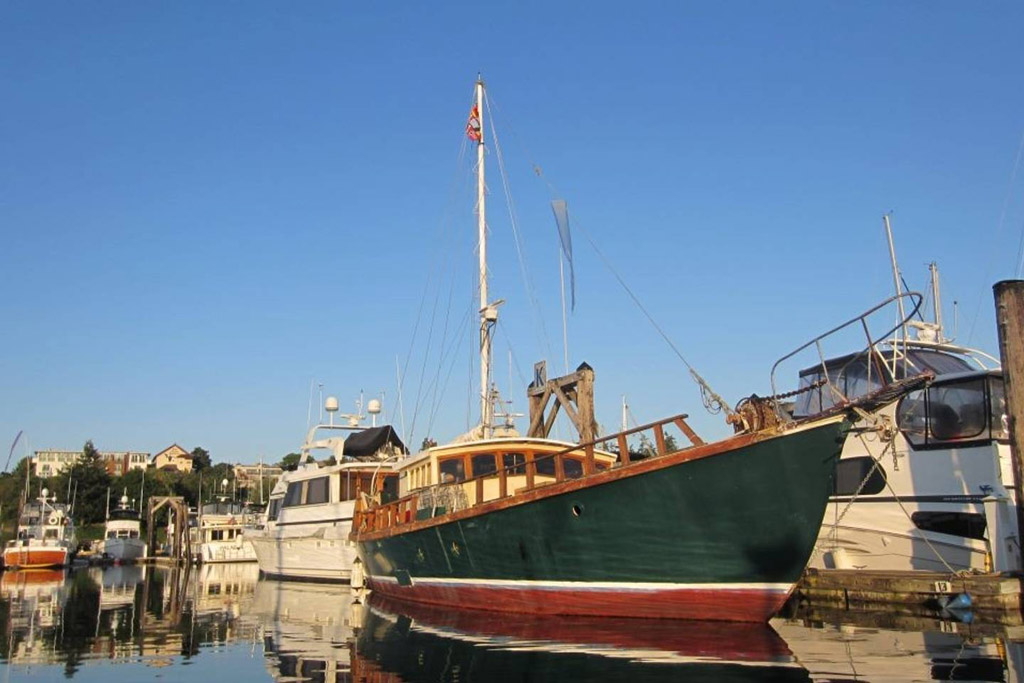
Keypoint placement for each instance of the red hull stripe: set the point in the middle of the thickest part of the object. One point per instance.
(728, 602)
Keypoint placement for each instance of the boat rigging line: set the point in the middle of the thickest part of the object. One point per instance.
(712, 401)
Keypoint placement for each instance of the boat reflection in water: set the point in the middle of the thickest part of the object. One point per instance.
(851, 646)
(35, 605)
(307, 629)
(407, 642)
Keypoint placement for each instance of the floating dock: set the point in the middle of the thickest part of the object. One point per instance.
(994, 597)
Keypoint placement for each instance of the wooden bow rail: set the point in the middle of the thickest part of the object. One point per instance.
(369, 516)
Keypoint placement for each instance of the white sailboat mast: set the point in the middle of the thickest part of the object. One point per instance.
(488, 313)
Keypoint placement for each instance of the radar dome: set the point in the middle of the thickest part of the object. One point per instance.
(331, 404)
(373, 407)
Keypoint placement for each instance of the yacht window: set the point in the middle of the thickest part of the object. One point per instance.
(850, 472)
(111, 534)
(858, 382)
(953, 411)
(997, 400)
(133, 534)
(294, 494)
(938, 362)
(275, 507)
(514, 462)
(545, 464)
(957, 411)
(966, 524)
(452, 470)
(318, 491)
(50, 533)
(217, 535)
(912, 417)
(483, 464)
(572, 468)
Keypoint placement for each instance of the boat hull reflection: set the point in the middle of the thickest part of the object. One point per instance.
(410, 642)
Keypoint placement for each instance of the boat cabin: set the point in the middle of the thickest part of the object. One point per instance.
(491, 470)
(312, 485)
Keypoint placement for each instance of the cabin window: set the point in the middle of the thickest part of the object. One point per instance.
(217, 535)
(912, 417)
(957, 411)
(965, 524)
(572, 468)
(483, 464)
(111, 534)
(545, 464)
(514, 463)
(452, 470)
(851, 472)
(318, 491)
(133, 534)
(294, 494)
(273, 509)
(50, 533)
(953, 411)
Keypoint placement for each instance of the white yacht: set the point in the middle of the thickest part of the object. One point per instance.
(122, 538)
(304, 534)
(218, 533)
(934, 491)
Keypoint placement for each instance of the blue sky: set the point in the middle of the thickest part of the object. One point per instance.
(205, 207)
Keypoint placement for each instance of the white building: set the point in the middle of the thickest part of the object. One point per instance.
(52, 462)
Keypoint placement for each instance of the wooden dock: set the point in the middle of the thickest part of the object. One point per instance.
(995, 598)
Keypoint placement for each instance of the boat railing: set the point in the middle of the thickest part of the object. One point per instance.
(904, 319)
(444, 498)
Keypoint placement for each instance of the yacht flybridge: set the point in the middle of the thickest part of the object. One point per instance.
(305, 532)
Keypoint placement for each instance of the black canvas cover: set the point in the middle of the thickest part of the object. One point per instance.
(366, 443)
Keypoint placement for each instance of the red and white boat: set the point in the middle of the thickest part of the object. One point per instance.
(46, 535)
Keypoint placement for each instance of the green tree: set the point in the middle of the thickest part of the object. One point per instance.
(289, 462)
(200, 459)
(87, 481)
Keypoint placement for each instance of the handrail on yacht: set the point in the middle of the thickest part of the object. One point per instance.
(375, 517)
(915, 297)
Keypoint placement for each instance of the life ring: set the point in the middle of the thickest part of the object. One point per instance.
(54, 520)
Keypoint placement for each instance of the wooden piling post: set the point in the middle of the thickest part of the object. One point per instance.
(1009, 296)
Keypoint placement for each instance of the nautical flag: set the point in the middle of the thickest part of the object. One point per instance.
(562, 221)
(473, 125)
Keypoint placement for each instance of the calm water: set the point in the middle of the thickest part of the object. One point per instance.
(224, 623)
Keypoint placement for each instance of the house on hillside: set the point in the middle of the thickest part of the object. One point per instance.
(173, 457)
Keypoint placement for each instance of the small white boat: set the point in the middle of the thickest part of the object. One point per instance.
(218, 533)
(122, 538)
(305, 532)
(46, 535)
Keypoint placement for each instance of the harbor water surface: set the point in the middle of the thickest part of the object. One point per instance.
(226, 623)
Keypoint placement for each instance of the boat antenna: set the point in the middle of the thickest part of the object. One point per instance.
(933, 268)
(902, 327)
